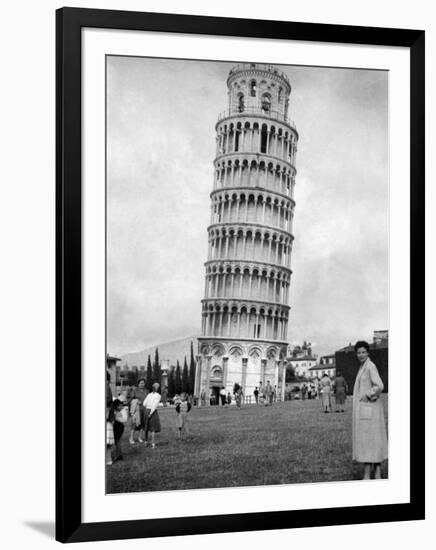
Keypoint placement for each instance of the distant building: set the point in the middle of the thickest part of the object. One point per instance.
(301, 359)
(381, 337)
(302, 365)
(327, 365)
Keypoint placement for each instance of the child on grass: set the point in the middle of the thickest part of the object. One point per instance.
(183, 408)
(117, 417)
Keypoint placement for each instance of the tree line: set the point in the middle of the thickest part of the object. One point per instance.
(180, 379)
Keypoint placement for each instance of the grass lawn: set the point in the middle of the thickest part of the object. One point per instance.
(291, 442)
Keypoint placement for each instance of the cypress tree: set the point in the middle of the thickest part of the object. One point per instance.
(178, 379)
(171, 381)
(149, 375)
(185, 377)
(157, 373)
(192, 369)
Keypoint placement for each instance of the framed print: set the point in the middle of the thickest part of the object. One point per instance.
(240, 274)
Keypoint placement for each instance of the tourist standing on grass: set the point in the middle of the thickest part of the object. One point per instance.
(238, 397)
(223, 396)
(268, 393)
(136, 410)
(325, 388)
(256, 395)
(151, 416)
(229, 398)
(317, 389)
(370, 443)
(341, 389)
(183, 407)
(109, 422)
(118, 416)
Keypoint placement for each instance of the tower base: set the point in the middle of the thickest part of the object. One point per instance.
(249, 363)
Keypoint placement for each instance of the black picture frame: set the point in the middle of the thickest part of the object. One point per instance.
(69, 22)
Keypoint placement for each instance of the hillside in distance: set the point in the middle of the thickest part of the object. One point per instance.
(173, 351)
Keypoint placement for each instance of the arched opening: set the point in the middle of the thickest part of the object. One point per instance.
(237, 136)
(266, 103)
(253, 88)
(263, 138)
(241, 105)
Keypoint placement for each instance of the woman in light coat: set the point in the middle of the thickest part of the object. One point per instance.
(370, 444)
(326, 386)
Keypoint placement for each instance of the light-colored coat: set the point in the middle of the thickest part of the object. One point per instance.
(370, 442)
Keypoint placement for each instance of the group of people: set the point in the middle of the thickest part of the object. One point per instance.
(333, 390)
(369, 437)
(265, 394)
(139, 411)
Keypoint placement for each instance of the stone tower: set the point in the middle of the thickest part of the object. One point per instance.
(245, 308)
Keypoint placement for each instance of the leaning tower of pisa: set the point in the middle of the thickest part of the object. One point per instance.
(245, 309)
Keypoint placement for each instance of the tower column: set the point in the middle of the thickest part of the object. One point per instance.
(225, 370)
(283, 379)
(208, 367)
(216, 284)
(276, 373)
(197, 384)
(244, 373)
(262, 371)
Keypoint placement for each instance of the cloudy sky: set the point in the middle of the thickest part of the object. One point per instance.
(161, 145)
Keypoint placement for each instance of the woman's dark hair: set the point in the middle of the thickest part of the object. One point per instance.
(108, 376)
(140, 380)
(114, 406)
(361, 344)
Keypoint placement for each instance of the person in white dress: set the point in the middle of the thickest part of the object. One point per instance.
(151, 417)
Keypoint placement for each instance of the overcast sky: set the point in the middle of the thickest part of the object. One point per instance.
(161, 145)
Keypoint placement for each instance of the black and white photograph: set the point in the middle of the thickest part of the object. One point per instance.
(247, 274)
